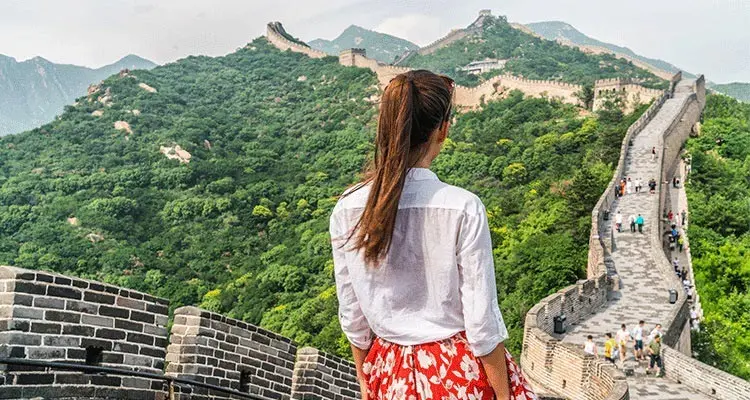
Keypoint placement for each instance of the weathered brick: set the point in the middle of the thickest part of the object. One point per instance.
(62, 341)
(45, 353)
(45, 327)
(49, 302)
(28, 287)
(112, 334)
(35, 379)
(81, 306)
(61, 280)
(114, 312)
(131, 303)
(106, 322)
(62, 316)
(99, 298)
(78, 330)
(140, 338)
(96, 343)
(63, 291)
(128, 325)
(142, 317)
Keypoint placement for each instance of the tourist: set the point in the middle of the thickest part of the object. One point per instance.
(458, 325)
(680, 242)
(693, 315)
(683, 274)
(638, 185)
(617, 190)
(676, 264)
(630, 186)
(618, 221)
(638, 341)
(631, 219)
(623, 183)
(654, 353)
(652, 186)
(610, 347)
(655, 332)
(670, 215)
(653, 154)
(622, 337)
(639, 222)
(683, 214)
(590, 347)
(674, 181)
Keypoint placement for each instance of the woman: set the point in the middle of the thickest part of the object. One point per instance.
(413, 262)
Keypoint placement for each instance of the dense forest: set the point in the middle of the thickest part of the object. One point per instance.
(274, 137)
(719, 231)
(530, 57)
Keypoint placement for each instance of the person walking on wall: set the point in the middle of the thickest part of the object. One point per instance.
(630, 186)
(654, 353)
(609, 348)
(590, 347)
(631, 219)
(680, 242)
(618, 221)
(654, 332)
(638, 185)
(639, 222)
(652, 186)
(413, 263)
(653, 154)
(683, 216)
(622, 337)
(638, 341)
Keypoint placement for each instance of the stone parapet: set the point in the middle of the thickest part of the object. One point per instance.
(50, 317)
(704, 378)
(322, 376)
(211, 348)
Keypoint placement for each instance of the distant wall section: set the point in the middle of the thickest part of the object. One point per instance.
(276, 35)
(630, 93)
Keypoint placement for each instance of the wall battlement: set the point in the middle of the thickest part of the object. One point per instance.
(54, 318)
(276, 35)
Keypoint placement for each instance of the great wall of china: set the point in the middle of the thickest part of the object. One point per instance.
(493, 88)
(68, 338)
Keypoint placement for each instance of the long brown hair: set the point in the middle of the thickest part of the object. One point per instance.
(414, 105)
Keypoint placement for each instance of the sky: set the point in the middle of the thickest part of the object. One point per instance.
(701, 36)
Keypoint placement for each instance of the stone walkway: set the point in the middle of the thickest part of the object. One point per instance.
(642, 293)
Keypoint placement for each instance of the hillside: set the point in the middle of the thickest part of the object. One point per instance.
(558, 30)
(528, 56)
(34, 91)
(380, 46)
(738, 90)
(209, 181)
(719, 232)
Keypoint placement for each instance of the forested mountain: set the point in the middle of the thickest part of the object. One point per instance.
(236, 219)
(719, 232)
(738, 90)
(554, 30)
(32, 92)
(528, 56)
(380, 46)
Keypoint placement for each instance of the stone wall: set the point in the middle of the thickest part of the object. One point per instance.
(562, 367)
(455, 35)
(275, 37)
(211, 348)
(51, 317)
(704, 378)
(318, 375)
(631, 93)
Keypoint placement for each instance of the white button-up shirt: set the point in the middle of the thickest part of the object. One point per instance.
(437, 279)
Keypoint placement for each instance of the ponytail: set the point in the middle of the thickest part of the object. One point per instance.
(414, 105)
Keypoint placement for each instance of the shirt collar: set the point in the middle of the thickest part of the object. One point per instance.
(420, 174)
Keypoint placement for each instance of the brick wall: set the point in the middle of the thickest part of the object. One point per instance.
(322, 376)
(211, 348)
(51, 317)
(282, 43)
(704, 378)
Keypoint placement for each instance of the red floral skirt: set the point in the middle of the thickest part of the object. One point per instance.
(443, 370)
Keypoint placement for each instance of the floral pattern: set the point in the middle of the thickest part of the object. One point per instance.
(443, 370)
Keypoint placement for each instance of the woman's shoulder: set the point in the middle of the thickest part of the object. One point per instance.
(458, 197)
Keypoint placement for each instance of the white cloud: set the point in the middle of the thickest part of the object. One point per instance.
(418, 28)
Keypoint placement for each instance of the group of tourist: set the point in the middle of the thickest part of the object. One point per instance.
(627, 185)
(616, 347)
(634, 220)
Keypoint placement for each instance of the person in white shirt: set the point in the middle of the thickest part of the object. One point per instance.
(656, 331)
(618, 221)
(590, 347)
(638, 185)
(622, 337)
(413, 260)
(638, 341)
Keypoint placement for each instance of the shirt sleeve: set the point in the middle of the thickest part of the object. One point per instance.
(484, 324)
(352, 319)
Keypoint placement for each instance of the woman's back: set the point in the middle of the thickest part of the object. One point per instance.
(441, 251)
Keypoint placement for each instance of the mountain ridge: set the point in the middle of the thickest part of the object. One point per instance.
(380, 46)
(34, 91)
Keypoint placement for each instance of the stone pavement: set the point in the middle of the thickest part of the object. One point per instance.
(642, 292)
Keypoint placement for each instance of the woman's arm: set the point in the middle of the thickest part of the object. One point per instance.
(359, 356)
(497, 371)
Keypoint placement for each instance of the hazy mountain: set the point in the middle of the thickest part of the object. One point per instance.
(380, 46)
(738, 90)
(32, 92)
(555, 30)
